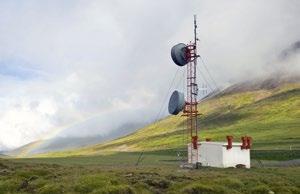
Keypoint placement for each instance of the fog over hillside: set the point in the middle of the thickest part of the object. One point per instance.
(72, 142)
(87, 68)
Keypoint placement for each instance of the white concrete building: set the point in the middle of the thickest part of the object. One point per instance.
(218, 154)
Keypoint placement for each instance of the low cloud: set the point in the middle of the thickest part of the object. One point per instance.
(294, 49)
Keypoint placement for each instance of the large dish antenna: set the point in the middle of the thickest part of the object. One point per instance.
(176, 102)
(179, 54)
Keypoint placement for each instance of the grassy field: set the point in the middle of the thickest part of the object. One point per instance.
(157, 172)
(270, 117)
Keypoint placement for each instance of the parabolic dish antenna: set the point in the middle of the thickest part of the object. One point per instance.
(176, 102)
(179, 54)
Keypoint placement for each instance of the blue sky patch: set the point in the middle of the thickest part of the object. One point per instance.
(18, 70)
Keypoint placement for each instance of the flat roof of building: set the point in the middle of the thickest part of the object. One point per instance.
(219, 143)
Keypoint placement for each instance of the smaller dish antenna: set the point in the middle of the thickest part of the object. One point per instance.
(180, 54)
(176, 102)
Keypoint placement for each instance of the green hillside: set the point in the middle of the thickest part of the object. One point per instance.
(270, 116)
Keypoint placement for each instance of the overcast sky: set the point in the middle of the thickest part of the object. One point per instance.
(87, 67)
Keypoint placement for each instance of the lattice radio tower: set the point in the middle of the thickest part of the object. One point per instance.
(182, 55)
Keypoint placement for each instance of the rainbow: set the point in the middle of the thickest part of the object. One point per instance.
(52, 133)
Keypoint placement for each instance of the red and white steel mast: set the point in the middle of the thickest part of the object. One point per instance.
(190, 109)
(187, 55)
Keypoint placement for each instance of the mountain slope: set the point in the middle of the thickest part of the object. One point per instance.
(54, 144)
(270, 115)
(64, 143)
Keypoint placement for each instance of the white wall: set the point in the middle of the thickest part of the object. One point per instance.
(210, 155)
(235, 156)
(215, 154)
